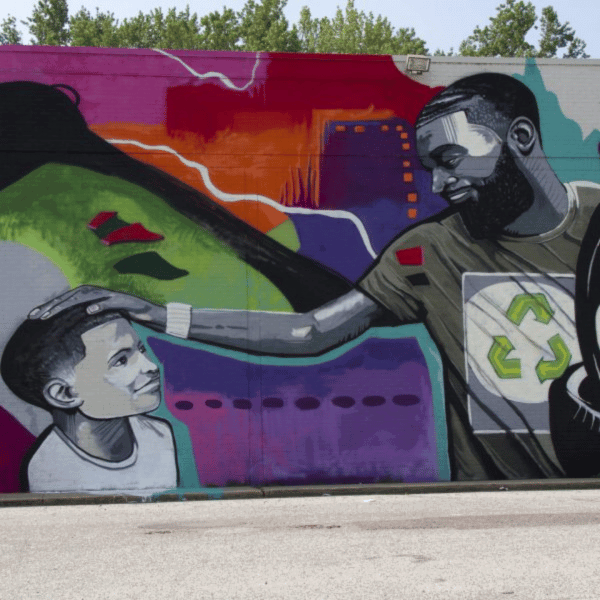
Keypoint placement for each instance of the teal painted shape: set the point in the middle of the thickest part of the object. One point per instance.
(188, 474)
(187, 467)
(572, 157)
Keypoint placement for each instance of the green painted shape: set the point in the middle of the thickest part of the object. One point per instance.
(49, 209)
(286, 234)
(150, 264)
(523, 303)
(573, 157)
(109, 226)
(553, 369)
(506, 368)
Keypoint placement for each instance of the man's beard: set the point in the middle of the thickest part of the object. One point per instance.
(503, 197)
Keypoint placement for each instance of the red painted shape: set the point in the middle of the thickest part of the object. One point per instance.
(410, 256)
(135, 232)
(14, 444)
(296, 85)
(101, 218)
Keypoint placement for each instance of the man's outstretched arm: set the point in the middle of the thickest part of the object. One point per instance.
(276, 333)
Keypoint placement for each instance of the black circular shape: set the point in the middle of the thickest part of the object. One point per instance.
(373, 400)
(213, 403)
(272, 403)
(343, 401)
(242, 403)
(307, 403)
(406, 400)
(184, 405)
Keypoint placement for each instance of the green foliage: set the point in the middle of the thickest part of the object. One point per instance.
(220, 30)
(505, 35)
(99, 30)
(261, 25)
(264, 27)
(9, 34)
(49, 22)
(177, 30)
(354, 32)
(555, 36)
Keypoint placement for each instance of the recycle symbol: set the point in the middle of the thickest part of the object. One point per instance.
(510, 368)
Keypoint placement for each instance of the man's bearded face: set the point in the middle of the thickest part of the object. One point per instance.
(474, 171)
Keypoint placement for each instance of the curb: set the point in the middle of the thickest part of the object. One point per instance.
(301, 491)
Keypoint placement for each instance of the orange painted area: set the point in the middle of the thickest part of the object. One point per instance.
(412, 213)
(273, 157)
(233, 172)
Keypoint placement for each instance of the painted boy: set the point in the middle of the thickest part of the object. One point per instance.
(91, 372)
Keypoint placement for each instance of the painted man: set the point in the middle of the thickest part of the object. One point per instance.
(509, 214)
(91, 372)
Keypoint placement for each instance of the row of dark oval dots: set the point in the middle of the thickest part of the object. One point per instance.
(306, 403)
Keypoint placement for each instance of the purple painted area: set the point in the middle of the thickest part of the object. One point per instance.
(110, 81)
(362, 170)
(337, 421)
(335, 243)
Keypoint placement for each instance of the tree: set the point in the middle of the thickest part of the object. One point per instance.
(220, 31)
(263, 27)
(505, 35)
(48, 23)
(555, 36)
(100, 30)
(354, 32)
(9, 34)
(177, 30)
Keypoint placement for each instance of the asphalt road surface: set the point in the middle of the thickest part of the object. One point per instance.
(489, 545)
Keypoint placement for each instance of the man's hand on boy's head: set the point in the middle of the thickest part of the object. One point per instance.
(101, 300)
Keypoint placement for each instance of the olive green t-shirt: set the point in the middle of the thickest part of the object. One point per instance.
(435, 270)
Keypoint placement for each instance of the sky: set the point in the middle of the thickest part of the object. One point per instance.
(442, 24)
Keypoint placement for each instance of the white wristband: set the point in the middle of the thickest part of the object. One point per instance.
(179, 319)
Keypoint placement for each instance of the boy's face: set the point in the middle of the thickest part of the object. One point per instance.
(116, 378)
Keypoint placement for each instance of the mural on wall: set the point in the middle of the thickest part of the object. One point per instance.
(252, 269)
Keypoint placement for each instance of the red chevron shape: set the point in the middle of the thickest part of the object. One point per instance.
(135, 232)
(101, 218)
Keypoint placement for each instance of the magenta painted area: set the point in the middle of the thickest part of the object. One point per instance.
(365, 416)
(125, 85)
(14, 444)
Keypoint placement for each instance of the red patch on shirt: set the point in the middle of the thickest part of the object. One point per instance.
(411, 256)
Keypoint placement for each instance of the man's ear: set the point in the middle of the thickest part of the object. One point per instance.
(60, 394)
(522, 136)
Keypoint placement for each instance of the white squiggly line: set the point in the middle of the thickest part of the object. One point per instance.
(215, 74)
(226, 197)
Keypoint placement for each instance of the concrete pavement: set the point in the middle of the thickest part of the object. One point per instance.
(505, 544)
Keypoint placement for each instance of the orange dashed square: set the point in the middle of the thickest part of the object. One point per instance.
(411, 196)
(412, 213)
(399, 128)
(340, 128)
(408, 177)
(406, 146)
(359, 129)
(404, 136)
(406, 163)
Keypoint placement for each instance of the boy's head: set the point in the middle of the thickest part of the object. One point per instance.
(93, 363)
